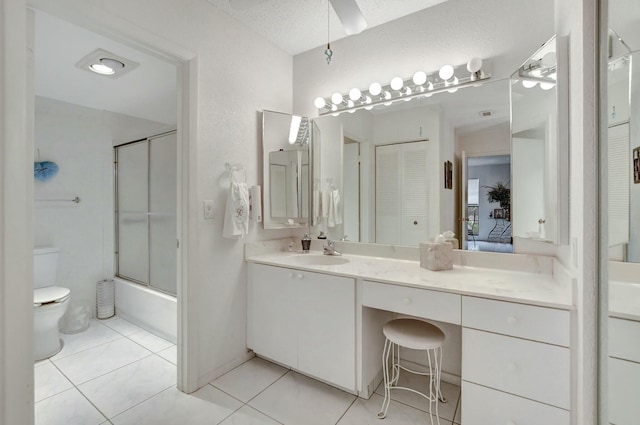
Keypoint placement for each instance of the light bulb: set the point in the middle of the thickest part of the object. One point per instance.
(408, 91)
(430, 86)
(446, 72)
(355, 94)
(367, 100)
(336, 98)
(334, 108)
(474, 65)
(528, 84)
(549, 59)
(547, 86)
(396, 83)
(387, 95)
(375, 89)
(350, 104)
(419, 78)
(319, 102)
(99, 68)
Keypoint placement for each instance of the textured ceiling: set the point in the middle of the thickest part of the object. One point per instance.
(300, 25)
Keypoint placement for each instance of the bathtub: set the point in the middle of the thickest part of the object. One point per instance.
(151, 310)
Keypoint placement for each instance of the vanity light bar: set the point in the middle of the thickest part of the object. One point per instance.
(421, 84)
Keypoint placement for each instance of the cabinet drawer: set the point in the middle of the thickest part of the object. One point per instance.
(526, 368)
(537, 323)
(485, 406)
(624, 386)
(624, 339)
(417, 302)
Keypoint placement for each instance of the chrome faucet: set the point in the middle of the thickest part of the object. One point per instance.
(330, 248)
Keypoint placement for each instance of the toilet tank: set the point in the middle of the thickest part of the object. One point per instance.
(45, 265)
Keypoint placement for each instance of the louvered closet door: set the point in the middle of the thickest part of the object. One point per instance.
(401, 193)
(619, 181)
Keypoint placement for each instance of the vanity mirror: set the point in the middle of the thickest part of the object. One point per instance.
(388, 162)
(539, 146)
(285, 142)
(620, 204)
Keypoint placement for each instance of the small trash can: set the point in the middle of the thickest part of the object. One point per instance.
(105, 298)
(77, 317)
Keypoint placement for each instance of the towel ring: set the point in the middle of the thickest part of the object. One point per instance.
(231, 168)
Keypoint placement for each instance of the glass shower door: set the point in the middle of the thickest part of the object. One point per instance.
(146, 182)
(133, 218)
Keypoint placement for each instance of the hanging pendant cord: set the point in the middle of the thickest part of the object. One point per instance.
(328, 52)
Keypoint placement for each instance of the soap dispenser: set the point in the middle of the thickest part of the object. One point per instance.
(306, 243)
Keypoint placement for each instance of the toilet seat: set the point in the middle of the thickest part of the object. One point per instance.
(50, 294)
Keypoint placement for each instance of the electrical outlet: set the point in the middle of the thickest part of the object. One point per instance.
(208, 209)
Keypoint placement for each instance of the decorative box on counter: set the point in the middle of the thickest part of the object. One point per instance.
(436, 256)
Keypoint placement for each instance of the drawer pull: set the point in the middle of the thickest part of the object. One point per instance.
(511, 320)
(406, 301)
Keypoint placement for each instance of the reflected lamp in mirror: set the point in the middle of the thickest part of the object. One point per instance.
(539, 145)
(447, 78)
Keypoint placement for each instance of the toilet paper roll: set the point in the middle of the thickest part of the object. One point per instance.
(255, 204)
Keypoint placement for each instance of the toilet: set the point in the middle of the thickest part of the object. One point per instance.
(49, 303)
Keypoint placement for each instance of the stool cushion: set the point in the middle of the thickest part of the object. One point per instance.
(414, 334)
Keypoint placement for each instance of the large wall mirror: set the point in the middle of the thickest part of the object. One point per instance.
(539, 145)
(286, 143)
(620, 145)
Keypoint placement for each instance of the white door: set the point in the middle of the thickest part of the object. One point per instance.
(402, 197)
(351, 190)
(463, 232)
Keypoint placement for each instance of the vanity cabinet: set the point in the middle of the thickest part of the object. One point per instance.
(516, 363)
(304, 320)
(624, 371)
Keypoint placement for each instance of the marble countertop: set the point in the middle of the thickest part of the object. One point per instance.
(541, 289)
(624, 300)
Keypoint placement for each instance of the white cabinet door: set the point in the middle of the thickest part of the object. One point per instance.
(326, 324)
(272, 325)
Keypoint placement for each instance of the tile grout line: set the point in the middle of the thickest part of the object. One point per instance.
(155, 395)
(348, 408)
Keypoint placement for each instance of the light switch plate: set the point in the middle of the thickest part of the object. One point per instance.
(208, 209)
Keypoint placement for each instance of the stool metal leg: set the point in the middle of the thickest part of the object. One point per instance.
(388, 348)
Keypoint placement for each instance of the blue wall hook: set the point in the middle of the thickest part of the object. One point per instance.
(44, 170)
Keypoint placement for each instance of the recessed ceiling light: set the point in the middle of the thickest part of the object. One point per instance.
(106, 64)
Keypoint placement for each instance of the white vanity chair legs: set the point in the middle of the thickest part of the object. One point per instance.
(416, 335)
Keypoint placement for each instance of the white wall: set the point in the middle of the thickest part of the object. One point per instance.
(227, 95)
(80, 140)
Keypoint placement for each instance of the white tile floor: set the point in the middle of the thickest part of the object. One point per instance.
(117, 373)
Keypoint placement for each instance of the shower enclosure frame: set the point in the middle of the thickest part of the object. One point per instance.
(148, 284)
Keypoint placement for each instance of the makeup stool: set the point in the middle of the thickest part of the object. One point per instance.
(416, 335)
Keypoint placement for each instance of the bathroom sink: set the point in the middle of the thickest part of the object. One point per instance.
(320, 260)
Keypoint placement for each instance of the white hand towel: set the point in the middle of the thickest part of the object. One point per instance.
(334, 209)
(236, 218)
(316, 207)
(324, 203)
(255, 204)
(337, 206)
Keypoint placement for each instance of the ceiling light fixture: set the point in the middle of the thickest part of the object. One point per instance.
(106, 64)
(420, 84)
(328, 52)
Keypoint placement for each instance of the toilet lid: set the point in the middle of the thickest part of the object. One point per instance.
(49, 294)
